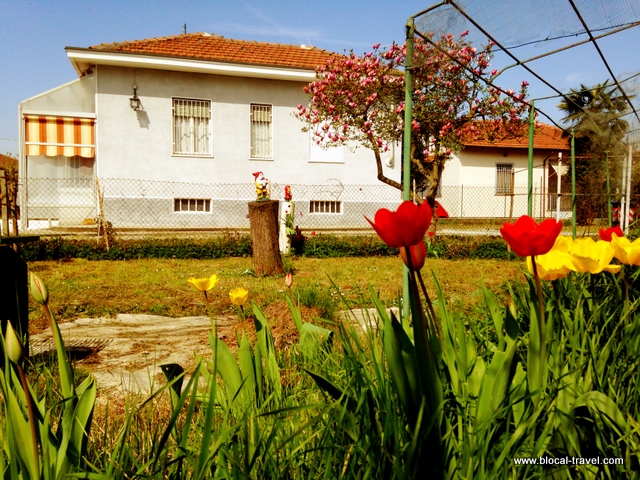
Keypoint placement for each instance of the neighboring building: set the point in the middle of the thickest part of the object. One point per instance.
(174, 128)
(489, 178)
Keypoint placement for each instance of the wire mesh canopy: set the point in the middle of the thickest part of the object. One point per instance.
(528, 30)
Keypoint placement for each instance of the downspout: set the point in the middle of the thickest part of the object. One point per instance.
(23, 185)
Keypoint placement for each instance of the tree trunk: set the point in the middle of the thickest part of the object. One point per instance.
(263, 221)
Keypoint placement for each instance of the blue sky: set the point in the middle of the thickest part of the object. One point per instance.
(35, 33)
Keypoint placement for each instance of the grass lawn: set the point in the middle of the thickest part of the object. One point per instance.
(83, 288)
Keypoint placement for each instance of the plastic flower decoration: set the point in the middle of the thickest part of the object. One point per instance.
(592, 257)
(238, 296)
(526, 238)
(418, 254)
(203, 284)
(606, 234)
(405, 227)
(556, 263)
(626, 251)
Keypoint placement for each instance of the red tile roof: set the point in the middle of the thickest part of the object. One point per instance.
(203, 46)
(545, 137)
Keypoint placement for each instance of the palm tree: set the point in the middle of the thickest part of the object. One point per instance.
(596, 116)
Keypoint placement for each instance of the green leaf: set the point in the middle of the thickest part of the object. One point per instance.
(599, 402)
(227, 367)
(295, 314)
(313, 338)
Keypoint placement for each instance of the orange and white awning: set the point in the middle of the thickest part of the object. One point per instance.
(52, 136)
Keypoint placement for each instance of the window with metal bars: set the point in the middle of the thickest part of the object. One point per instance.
(325, 206)
(191, 205)
(504, 179)
(191, 127)
(261, 131)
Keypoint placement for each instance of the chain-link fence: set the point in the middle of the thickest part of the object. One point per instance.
(152, 207)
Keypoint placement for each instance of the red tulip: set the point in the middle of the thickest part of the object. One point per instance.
(527, 238)
(606, 234)
(418, 255)
(405, 227)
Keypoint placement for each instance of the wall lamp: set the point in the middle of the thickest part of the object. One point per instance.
(134, 102)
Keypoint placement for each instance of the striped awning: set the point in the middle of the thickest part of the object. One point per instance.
(52, 136)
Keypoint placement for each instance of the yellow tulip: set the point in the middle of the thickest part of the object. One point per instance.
(552, 265)
(592, 257)
(626, 251)
(203, 284)
(562, 244)
(238, 296)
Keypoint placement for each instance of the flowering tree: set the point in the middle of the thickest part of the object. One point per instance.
(361, 99)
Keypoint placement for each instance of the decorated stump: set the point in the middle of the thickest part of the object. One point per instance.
(263, 222)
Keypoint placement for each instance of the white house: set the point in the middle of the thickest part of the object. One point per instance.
(490, 178)
(173, 129)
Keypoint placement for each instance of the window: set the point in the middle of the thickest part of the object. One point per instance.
(191, 127)
(261, 137)
(79, 168)
(191, 205)
(504, 179)
(325, 206)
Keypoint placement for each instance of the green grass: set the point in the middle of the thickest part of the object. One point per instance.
(82, 288)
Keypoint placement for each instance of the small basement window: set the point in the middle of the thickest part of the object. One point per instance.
(325, 206)
(191, 205)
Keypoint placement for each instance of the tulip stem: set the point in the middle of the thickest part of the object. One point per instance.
(435, 324)
(541, 322)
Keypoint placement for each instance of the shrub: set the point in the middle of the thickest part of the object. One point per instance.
(237, 245)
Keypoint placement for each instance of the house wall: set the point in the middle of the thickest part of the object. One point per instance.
(138, 145)
(140, 177)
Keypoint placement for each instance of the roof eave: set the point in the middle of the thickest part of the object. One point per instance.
(83, 59)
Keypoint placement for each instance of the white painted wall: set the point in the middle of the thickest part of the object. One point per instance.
(469, 183)
(138, 145)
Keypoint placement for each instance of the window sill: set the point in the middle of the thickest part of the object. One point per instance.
(192, 155)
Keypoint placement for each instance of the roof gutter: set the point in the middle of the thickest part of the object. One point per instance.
(83, 59)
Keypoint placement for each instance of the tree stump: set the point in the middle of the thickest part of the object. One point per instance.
(263, 222)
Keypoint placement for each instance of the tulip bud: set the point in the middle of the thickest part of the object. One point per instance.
(288, 280)
(38, 289)
(418, 254)
(13, 344)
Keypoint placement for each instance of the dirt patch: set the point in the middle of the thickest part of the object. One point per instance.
(125, 352)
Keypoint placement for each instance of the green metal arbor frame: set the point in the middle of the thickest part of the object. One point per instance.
(410, 35)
